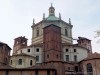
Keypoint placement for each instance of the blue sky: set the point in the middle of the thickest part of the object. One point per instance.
(16, 18)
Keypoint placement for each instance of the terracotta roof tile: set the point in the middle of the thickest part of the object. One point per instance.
(5, 67)
(2, 43)
(22, 54)
(93, 56)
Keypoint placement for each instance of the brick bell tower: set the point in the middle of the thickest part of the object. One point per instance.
(4, 54)
(52, 43)
(84, 42)
(19, 43)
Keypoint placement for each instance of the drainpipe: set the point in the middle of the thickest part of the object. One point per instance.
(95, 67)
(21, 72)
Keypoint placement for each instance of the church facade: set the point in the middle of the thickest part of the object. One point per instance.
(52, 50)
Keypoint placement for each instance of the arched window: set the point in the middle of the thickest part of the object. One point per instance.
(66, 32)
(89, 69)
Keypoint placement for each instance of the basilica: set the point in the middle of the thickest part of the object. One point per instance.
(51, 52)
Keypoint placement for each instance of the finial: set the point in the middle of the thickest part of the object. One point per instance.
(51, 11)
(59, 16)
(69, 21)
(43, 16)
(51, 4)
(33, 21)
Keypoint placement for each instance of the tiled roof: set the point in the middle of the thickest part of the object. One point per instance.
(42, 67)
(83, 38)
(6, 67)
(22, 54)
(93, 56)
(2, 43)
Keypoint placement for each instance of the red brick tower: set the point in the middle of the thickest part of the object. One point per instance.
(4, 54)
(86, 43)
(52, 43)
(19, 43)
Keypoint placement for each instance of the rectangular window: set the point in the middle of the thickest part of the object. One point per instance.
(67, 57)
(20, 61)
(37, 58)
(8, 53)
(75, 57)
(28, 50)
(37, 49)
(74, 50)
(66, 32)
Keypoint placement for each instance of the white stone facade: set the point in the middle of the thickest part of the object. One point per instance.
(71, 51)
(33, 52)
(22, 61)
(39, 39)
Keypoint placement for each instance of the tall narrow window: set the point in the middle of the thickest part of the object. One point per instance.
(5, 60)
(11, 62)
(89, 69)
(37, 58)
(75, 57)
(21, 51)
(36, 72)
(47, 45)
(76, 68)
(20, 61)
(48, 72)
(1, 48)
(57, 56)
(37, 32)
(30, 62)
(47, 56)
(67, 57)
(6, 72)
(8, 53)
(66, 32)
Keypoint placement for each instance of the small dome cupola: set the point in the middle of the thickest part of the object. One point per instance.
(51, 11)
(52, 14)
